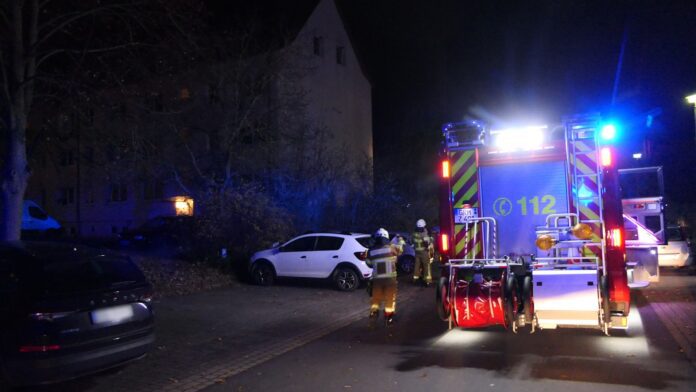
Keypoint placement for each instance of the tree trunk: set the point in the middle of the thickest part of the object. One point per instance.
(19, 73)
(15, 175)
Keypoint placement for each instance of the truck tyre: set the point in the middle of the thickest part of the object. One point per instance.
(527, 303)
(442, 299)
(511, 301)
(604, 292)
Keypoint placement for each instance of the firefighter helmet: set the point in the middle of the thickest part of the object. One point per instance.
(381, 233)
(420, 223)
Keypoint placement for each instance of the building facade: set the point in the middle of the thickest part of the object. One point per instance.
(78, 180)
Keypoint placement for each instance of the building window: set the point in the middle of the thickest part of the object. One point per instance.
(67, 158)
(341, 55)
(153, 189)
(67, 196)
(119, 192)
(89, 196)
(318, 46)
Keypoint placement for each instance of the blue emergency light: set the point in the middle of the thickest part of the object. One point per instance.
(608, 132)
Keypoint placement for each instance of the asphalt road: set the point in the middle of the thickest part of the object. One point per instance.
(421, 354)
(306, 336)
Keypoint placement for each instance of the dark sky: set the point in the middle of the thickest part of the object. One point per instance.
(432, 62)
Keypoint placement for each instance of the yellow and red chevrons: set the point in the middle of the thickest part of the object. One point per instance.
(465, 190)
(587, 164)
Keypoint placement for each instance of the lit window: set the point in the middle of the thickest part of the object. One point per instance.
(341, 55)
(185, 94)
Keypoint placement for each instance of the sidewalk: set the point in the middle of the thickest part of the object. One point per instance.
(673, 300)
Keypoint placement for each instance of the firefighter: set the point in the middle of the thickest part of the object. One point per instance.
(423, 247)
(382, 258)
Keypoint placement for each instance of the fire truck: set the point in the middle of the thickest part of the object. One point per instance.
(531, 227)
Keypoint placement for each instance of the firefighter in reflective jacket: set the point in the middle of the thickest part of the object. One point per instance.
(382, 258)
(423, 247)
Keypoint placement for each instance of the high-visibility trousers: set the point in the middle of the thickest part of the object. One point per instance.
(383, 290)
(422, 262)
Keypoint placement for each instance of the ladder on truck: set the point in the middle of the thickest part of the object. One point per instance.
(582, 134)
(580, 274)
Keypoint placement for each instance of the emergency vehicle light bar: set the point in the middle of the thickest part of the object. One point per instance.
(527, 138)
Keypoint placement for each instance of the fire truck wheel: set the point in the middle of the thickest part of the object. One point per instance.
(263, 274)
(527, 299)
(442, 299)
(604, 291)
(510, 304)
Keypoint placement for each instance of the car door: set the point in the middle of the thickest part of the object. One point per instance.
(325, 256)
(293, 257)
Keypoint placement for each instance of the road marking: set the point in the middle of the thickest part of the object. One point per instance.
(264, 353)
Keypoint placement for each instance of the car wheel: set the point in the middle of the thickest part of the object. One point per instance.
(263, 274)
(407, 264)
(346, 279)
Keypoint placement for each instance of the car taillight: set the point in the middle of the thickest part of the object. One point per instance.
(39, 349)
(48, 316)
(147, 296)
(362, 256)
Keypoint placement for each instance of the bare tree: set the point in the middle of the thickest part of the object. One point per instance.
(36, 36)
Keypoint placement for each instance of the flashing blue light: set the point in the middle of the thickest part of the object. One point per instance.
(608, 132)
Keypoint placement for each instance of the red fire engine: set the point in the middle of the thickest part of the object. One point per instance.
(531, 227)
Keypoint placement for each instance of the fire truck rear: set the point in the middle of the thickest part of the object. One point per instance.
(531, 227)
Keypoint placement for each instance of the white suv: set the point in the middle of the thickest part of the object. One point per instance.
(340, 257)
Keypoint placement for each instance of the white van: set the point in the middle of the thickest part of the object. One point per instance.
(36, 220)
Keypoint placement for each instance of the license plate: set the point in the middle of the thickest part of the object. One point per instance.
(113, 315)
(461, 215)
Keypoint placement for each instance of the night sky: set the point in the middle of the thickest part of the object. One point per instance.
(530, 62)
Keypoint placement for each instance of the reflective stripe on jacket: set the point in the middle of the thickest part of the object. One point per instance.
(383, 261)
(421, 241)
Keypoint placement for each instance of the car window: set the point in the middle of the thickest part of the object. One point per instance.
(38, 213)
(61, 274)
(329, 243)
(674, 234)
(653, 223)
(365, 241)
(631, 230)
(303, 244)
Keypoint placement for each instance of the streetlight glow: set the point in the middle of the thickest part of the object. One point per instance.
(692, 100)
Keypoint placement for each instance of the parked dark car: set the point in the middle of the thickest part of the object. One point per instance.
(68, 311)
(172, 233)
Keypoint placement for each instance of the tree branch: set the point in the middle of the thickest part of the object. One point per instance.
(84, 51)
(70, 18)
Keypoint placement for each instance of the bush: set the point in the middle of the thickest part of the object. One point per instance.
(242, 221)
